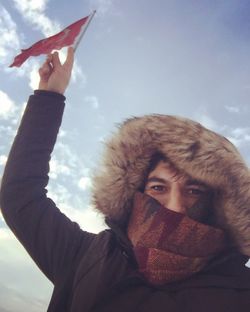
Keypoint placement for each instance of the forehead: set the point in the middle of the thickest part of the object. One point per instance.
(166, 171)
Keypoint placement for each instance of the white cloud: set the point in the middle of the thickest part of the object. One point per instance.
(88, 219)
(3, 159)
(92, 101)
(248, 263)
(206, 121)
(17, 291)
(66, 163)
(242, 132)
(62, 133)
(33, 11)
(7, 107)
(84, 183)
(31, 5)
(18, 116)
(240, 136)
(34, 77)
(8, 34)
(78, 76)
(65, 154)
(232, 109)
(12, 299)
(1, 217)
(57, 168)
(7, 131)
(5, 234)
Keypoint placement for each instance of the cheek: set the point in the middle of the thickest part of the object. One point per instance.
(199, 209)
(150, 192)
(159, 197)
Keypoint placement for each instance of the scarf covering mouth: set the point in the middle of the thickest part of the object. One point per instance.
(169, 246)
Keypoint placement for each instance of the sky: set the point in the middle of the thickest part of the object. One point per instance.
(177, 57)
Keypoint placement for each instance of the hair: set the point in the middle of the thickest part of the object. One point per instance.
(156, 158)
(154, 161)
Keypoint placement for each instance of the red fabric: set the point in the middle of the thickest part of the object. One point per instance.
(169, 246)
(64, 38)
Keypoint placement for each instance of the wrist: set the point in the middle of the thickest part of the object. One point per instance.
(52, 87)
(50, 93)
(49, 89)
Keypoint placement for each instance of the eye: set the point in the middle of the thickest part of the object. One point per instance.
(196, 191)
(157, 188)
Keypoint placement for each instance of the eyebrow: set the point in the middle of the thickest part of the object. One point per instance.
(188, 182)
(156, 179)
(196, 182)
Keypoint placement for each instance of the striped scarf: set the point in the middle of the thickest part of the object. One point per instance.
(170, 246)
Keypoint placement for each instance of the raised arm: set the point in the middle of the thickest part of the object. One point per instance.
(49, 236)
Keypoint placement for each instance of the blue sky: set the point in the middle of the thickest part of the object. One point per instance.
(187, 58)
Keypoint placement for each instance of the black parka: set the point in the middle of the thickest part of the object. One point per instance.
(97, 272)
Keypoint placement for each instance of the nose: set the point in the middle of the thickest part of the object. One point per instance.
(175, 200)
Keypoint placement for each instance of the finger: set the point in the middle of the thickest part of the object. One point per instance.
(55, 60)
(47, 61)
(49, 58)
(70, 58)
(45, 70)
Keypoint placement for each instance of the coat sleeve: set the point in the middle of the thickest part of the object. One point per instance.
(51, 239)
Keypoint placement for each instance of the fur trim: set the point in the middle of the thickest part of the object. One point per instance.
(199, 152)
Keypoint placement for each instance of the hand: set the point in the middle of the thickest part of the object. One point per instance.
(55, 76)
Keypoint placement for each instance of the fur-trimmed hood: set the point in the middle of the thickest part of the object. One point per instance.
(201, 153)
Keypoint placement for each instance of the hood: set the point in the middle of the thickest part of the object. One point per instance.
(201, 153)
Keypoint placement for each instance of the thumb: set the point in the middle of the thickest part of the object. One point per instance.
(70, 59)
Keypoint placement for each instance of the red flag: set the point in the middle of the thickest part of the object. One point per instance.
(64, 38)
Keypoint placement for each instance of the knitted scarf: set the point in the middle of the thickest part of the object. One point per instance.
(169, 246)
